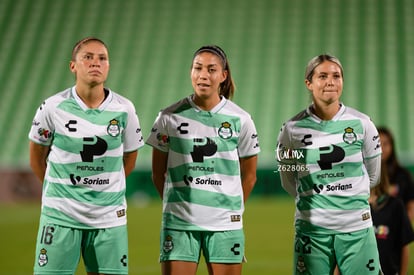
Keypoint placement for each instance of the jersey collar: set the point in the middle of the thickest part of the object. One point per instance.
(215, 108)
(317, 119)
(101, 107)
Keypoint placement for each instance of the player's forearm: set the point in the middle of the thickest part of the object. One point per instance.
(129, 162)
(248, 167)
(38, 156)
(373, 167)
(159, 182)
(248, 185)
(288, 182)
(39, 169)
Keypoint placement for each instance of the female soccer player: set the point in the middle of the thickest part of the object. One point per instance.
(83, 143)
(204, 167)
(329, 156)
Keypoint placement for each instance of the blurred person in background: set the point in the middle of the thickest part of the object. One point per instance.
(392, 227)
(84, 141)
(204, 163)
(329, 156)
(401, 181)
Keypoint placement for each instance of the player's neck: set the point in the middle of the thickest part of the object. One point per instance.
(92, 96)
(207, 103)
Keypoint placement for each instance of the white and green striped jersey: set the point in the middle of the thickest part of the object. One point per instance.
(329, 167)
(84, 185)
(203, 186)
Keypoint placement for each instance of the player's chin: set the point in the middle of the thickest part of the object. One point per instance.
(96, 81)
(332, 97)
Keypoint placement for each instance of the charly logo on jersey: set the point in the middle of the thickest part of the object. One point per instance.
(181, 129)
(378, 145)
(43, 259)
(113, 128)
(349, 136)
(225, 132)
(254, 136)
(235, 249)
(70, 125)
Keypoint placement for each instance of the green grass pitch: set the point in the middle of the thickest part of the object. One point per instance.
(268, 226)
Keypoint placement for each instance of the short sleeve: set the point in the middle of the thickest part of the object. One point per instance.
(42, 128)
(133, 138)
(159, 137)
(248, 139)
(372, 146)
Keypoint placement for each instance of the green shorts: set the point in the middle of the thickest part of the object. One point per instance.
(217, 246)
(58, 249)
(354, 253)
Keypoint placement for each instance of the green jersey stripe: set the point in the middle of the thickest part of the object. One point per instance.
(206, 198)
(85, 194)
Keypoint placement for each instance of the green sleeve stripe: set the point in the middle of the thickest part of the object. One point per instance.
(76, 144)
(71, 106)
(186, 146)
(332, 202)
(325, 177)
(219, 166)
(84, 169)
(169, 218)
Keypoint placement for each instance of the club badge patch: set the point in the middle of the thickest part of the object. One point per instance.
(349, 136)
(225, 131)
(300, 265)
(113, 128)
(42, 257)
(168, 244)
